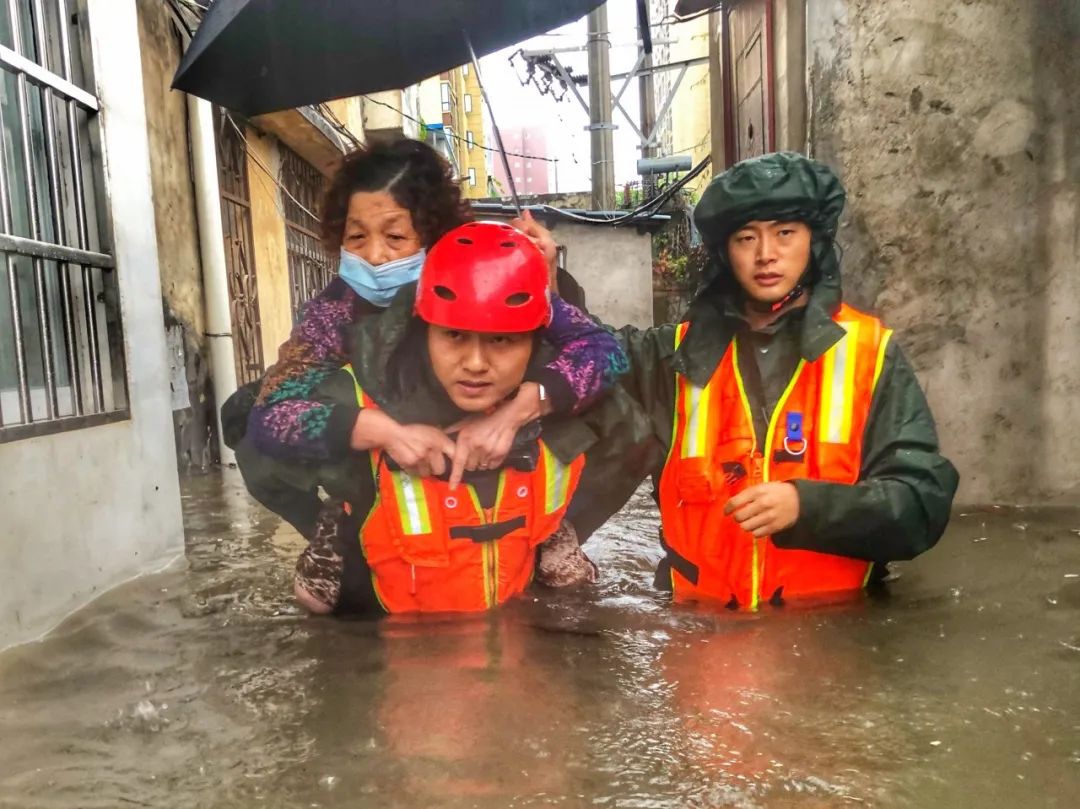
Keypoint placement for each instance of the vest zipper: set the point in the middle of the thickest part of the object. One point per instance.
(770, 437)
(758, 474)
(489, 554)
(757, 566)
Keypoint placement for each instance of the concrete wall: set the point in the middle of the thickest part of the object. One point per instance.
(90, 508)
(789, 73)
(177, 230)
(429, 100)
(956, 129)
(382, 112)
(350, 111)
(614, 265)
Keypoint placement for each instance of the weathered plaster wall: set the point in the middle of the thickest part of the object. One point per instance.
(789, 73)
(955, 126)
(268, 235)
(177, 230)
(716, 93)
(83, 510)
(350, 111)
(691, 108)
(380, 115)
(614, 267)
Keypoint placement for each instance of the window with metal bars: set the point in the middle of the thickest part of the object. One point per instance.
(61, 348)
(311, 266)
(239, 241)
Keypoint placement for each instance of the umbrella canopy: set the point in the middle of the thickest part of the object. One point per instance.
(257, 56)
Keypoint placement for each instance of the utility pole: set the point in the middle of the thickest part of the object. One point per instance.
(646, 94)
(603, 165)
(646, 91)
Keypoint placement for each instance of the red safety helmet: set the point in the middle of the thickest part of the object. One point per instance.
(485, 276)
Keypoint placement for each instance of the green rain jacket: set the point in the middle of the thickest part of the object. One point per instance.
(901, 503)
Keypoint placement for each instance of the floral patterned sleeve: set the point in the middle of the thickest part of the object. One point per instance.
(590, 359)
(285, 423)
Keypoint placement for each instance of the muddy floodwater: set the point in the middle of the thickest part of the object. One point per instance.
(205, 687)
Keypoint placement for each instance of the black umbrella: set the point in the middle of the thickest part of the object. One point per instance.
(257, 56)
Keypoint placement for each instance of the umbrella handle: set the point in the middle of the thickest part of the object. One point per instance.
(494, 124)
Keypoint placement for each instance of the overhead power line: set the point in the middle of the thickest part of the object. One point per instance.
(458, 137)
(643, 211)
(337, 124)
(268, 171)
(178, 7)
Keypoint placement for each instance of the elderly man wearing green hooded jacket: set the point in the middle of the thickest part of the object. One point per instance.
(801, 452)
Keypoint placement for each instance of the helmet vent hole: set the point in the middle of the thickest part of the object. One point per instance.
(507, 244)
(518, 299)
(445, 293)
(463, 240)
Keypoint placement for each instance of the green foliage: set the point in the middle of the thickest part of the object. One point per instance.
(675, 263)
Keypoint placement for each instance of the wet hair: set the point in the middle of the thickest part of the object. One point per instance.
(414, 174)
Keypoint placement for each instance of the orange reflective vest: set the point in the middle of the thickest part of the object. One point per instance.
(435, 550)
(816, 433)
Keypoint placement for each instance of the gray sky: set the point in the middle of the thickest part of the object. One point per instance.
(564, 122)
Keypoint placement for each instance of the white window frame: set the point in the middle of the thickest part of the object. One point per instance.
(444, 92)
(63, 370)
(470, 139)
(472, 177)
(468, 103)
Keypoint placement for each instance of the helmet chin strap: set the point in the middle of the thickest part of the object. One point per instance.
(766, 308)
(795, 294)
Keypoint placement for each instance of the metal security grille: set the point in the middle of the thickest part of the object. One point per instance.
(61, 355)
(311, 267)
(239, 253)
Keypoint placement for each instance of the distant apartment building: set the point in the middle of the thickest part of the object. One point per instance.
(532, 174)
(450, 110)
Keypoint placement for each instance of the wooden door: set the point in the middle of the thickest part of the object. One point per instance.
(749, 75)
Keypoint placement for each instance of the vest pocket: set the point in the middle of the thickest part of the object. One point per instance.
(384, 538)
(694, 480)
(703, 480)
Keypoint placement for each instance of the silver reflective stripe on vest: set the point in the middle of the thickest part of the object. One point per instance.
(838, 386)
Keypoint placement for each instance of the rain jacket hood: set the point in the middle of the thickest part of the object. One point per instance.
(781, 186)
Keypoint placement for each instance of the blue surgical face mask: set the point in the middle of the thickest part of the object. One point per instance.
(378, 285)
